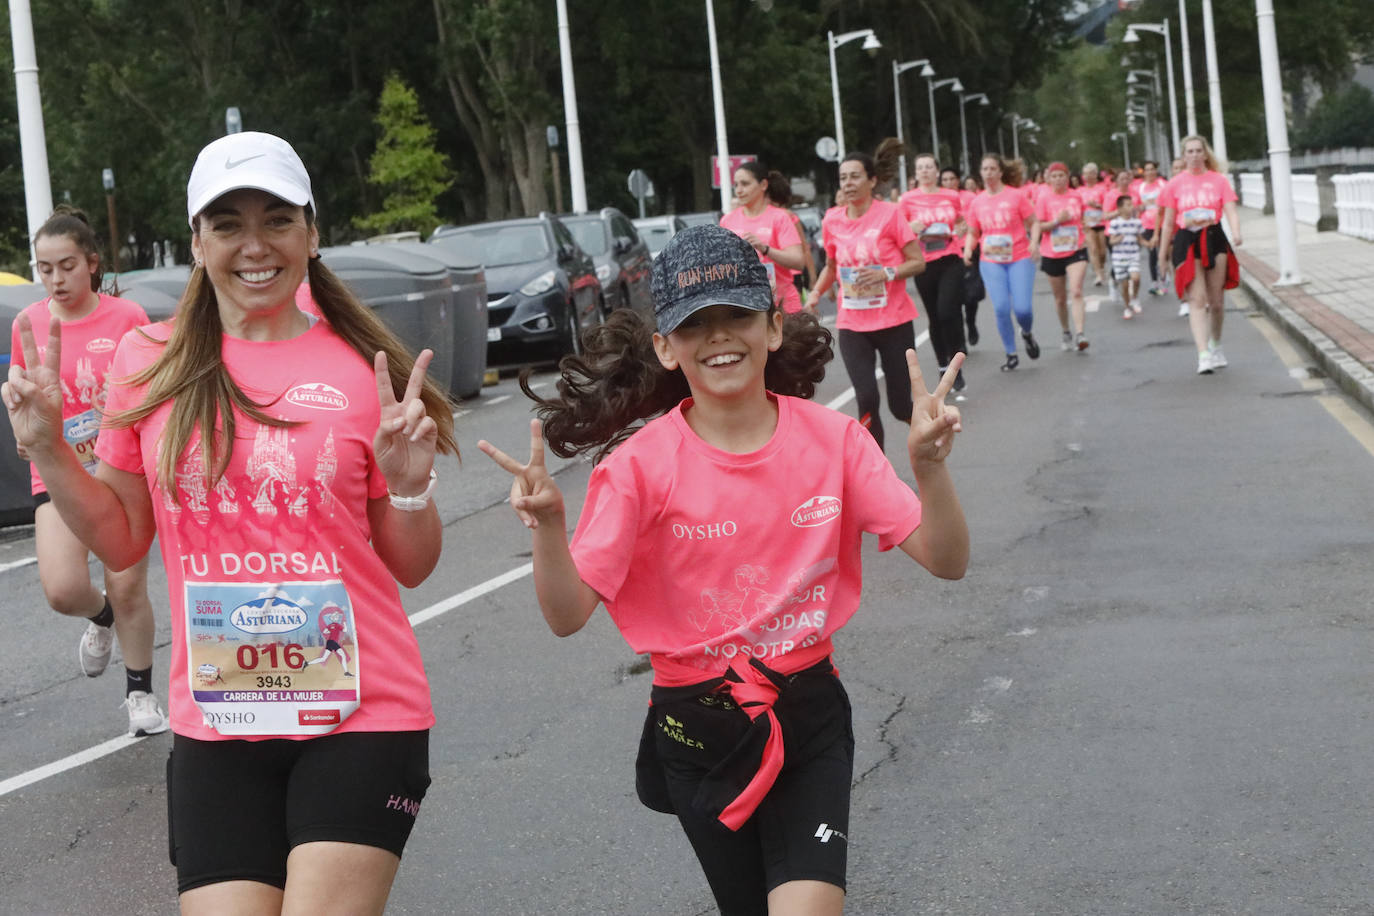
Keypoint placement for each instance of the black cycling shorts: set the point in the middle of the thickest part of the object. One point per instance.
(800, 829)
(1057, 267)
(1185, 239)
(236, 809)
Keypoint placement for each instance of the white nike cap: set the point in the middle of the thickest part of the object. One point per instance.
(250, 159)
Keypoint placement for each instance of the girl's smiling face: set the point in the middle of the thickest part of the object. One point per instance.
(722, 350)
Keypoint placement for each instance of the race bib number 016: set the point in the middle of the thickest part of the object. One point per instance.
(857, 294)
(272, 659)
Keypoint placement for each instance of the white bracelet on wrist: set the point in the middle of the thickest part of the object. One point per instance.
(415, 503)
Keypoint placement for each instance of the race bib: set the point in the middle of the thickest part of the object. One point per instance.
(1092, 215)
(998, 248)
(272, 659)
(1064, 239)
(1149, 197)
(858, 296)
(1198, 217)
(935, 238)
(80, 432)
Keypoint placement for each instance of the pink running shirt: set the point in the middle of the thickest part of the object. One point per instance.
(939, 210)
(875, 239)
(1197, 200)
(1148, 195)
(705, 558)
(1001, 219)
(775, 228)
(88, 347)
(289, 517)
(1094, 204)
(1065, 239)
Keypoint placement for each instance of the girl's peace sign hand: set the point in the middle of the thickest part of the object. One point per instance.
(406, 436)
(933, 423)
(33, 392)
(534, 495)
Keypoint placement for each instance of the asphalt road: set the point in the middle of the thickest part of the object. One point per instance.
(1150, 695)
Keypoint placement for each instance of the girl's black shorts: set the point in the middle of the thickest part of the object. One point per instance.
(236, 809)
(1185, 239)
(801, 829)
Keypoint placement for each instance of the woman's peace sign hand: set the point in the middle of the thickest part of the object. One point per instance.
(33, 392)
(406, 436)
(933, 423)
(534, 495)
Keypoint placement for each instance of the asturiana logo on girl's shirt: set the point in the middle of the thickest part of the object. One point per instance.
(318, 395)
(816, 511)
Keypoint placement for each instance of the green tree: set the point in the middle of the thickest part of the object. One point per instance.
(1342, 118)
(406, 167)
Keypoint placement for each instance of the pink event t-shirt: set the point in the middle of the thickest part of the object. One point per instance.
(1065, 239)
(88, 347)
(704, 557)
(939, 211)
(291, 510)
(1147, 193)
(776, 229)
(1197, 200)
(1001, 221)
(874, 239)
(1094, 204)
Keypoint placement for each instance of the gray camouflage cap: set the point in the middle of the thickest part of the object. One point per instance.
(704, 266)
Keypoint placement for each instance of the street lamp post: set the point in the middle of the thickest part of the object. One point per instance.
(1276, 125)
(833, 41)
(963, 126)
(33, 150)
(1186, 65)
(1209, 39)
(954, 86)
(233, 120)
(898, 70)
(727, 195)
(107, 180)
(576, 175)
(1018, 122)
(1123, 136)
(1162, 28)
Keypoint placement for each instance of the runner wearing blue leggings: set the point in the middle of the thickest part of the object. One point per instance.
(1003, 227)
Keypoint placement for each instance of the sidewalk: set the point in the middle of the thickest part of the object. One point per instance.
(1332, 311)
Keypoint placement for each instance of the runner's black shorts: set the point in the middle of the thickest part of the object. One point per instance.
(236, 809)
(1057, 267)
(1184, 239)
(801, 829)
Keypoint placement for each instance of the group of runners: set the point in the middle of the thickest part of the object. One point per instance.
(276, 417)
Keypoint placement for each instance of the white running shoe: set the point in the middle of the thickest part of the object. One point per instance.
(1218, 357)
(1183, 310)
(145, 716)
(1066, 341)
(94, 652)
(1204, 363)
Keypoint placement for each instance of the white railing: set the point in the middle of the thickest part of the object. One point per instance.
(1252, 190)
(1307, 206)
(1355, 204)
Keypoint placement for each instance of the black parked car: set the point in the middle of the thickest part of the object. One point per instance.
(622, 258)
(541, 287)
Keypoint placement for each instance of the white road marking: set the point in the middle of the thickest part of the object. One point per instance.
(1027, 631)
(477, 591)
(1092, 303)
(496, 400)
(27, 561)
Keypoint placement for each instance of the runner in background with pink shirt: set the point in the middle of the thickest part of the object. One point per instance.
(973, 291)
(1092, 194)
(316, 492)
(936, 216)
(772, 230)
(1063, 253)
(1193, 246)
(872, 252)
(69, 267)
(1147, 189)
(732, 576)
(1003, 225)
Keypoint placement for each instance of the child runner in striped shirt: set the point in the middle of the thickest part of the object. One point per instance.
(1124, 232)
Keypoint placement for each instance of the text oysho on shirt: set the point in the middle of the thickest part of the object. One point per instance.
(704, 557)
(88, 348)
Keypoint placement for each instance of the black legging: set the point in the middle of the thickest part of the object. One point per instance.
(971, 304)
(941, 286)
(1146, 235)
(858, 349)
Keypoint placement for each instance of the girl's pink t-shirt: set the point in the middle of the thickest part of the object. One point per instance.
(939, 211)
(705, 557)
(1066, 238)
(88, 347)
(1197, 200)
(1094, 204)
(289, 517)
(875, 239)
(1001, 221)
(1147, 193)
(776, 229)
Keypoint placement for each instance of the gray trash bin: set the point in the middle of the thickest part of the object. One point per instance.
(16, 495)
(157, 290)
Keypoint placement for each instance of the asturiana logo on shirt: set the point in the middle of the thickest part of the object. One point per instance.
(100, 345)
(269, 614)
(816, 511)
(317, 395)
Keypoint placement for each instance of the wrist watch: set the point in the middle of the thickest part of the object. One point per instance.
(890, 273)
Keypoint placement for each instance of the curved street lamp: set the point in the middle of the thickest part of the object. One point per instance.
(898, 70)
(963, 126)
(1161, 28)
(954, 86)
(833, 41)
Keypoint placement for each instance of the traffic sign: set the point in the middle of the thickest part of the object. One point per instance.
(639, 183)
(735, 162)
(828, 149)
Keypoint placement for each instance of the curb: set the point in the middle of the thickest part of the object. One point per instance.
(1349, 374)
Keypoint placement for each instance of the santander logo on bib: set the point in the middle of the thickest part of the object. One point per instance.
(317, 395)
(816, 511)
(100, 345)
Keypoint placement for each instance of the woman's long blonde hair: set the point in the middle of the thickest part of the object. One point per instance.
(1208, 156)
(190, 373)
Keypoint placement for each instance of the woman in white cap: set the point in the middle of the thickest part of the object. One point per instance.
(285, 464)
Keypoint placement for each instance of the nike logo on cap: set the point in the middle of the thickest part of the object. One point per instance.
(232, 164)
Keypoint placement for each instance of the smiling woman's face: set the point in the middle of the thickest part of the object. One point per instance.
(255, 248)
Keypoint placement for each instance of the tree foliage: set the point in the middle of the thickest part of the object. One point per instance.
(1341, 118)
(406, 166)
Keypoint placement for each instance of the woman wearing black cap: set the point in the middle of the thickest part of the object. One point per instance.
(290, 787)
